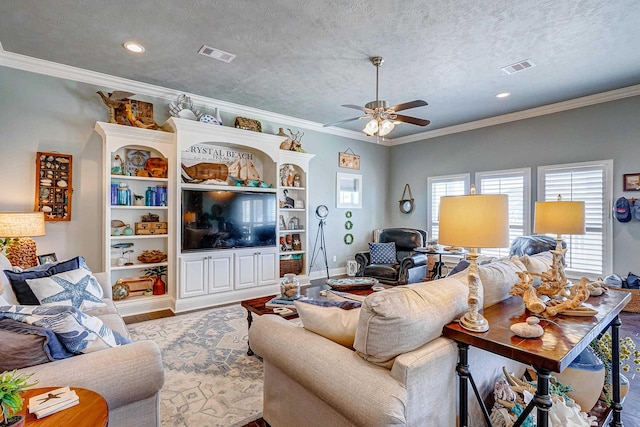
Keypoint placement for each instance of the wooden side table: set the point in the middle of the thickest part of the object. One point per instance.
(552, 352)
(92, 411)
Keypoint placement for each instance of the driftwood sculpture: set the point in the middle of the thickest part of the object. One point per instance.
(113, 101)
(548, 300)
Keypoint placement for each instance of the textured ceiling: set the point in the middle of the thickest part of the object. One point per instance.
(305, 59)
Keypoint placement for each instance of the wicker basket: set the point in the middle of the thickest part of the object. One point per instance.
(290, 266)
(634, 304)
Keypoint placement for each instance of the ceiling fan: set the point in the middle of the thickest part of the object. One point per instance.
(382, 118)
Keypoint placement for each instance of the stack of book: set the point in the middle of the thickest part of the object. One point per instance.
(53, 401)
(281, 302)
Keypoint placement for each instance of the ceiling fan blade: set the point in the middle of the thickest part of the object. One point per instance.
(358, 107)
(408, 105)
(344, 121)
(412, 120)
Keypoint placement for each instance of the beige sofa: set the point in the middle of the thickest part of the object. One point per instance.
(402, 372)
(129, 377)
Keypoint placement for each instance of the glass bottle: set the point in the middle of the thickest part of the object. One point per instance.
(150, 196)
(124, 194)
(290, 287)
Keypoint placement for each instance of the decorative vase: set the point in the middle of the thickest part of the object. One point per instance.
(586, 376)
(159, 287)
(290, 287)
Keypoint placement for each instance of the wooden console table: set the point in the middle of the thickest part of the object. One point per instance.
(552, 352)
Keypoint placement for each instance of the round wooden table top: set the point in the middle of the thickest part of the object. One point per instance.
(92, 411)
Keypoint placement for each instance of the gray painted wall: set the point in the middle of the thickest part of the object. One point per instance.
(605, 131)
(40, 113)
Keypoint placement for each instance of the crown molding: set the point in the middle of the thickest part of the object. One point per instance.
(571, 104)
(67, 72)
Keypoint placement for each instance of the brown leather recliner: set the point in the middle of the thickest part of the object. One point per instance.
(410, 266)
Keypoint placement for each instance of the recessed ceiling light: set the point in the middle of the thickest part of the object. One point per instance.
(503, 94)
(133, 47)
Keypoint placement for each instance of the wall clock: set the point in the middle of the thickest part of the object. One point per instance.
(406, 204)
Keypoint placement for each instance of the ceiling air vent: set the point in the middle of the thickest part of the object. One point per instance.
(214, 53)
(518, 66)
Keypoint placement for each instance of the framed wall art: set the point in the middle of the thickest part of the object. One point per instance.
(349, 160)
(53, 185)
(631, 182)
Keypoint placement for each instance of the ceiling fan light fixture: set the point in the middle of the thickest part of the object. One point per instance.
(371, 128)
(385, 127)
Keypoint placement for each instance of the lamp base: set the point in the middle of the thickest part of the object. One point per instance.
(22, 252)
(479, 324)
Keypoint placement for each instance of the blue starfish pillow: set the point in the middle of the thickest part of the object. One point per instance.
(78, 332)
(77, 288)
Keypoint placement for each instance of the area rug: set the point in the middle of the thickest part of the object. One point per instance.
(209, 379)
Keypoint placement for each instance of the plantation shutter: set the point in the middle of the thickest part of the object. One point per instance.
(587, 254)
(515, 184)
(443, 186)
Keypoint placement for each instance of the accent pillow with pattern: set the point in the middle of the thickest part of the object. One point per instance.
(383, 253)
(78, 332)
(77, 288)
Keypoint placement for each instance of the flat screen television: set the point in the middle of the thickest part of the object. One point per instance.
(227, 219)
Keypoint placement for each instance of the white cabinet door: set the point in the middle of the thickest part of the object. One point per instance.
(221, 273)
(246, 270)
(194, 275)
(267, 267)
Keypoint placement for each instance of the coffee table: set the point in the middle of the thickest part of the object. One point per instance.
(92, 411)
(311, 291)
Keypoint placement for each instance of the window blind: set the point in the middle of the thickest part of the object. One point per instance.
(515, 184)
(587, 254)
(438, 187)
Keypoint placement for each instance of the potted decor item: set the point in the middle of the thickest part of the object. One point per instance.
(629, 355)
(11, 386)
(159, 287)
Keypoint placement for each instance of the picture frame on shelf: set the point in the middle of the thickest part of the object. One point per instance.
(631, 182)
(135, 160)
(47, 258)
(281, 224)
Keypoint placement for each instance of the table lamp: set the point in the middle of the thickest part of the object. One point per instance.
(474, 221)
(559, 217)
(21, 226)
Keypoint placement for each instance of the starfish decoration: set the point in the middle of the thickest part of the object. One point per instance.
(76, 292)
(50, 396)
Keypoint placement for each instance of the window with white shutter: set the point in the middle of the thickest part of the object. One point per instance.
(516, 184)
(438, 186)
(589, 254)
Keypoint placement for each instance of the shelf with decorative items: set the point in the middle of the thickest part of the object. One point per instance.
(293, 196)
(138, 194)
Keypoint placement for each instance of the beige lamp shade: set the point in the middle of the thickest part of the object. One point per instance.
(474, 221)
(559, 217)
(21, 224)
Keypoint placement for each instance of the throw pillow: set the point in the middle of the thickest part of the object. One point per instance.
(538, 263)
(334, 320)
(77, 288)
(78, 332)
(403, 318)
(383, 253)
(25, 345)
(23, 292)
